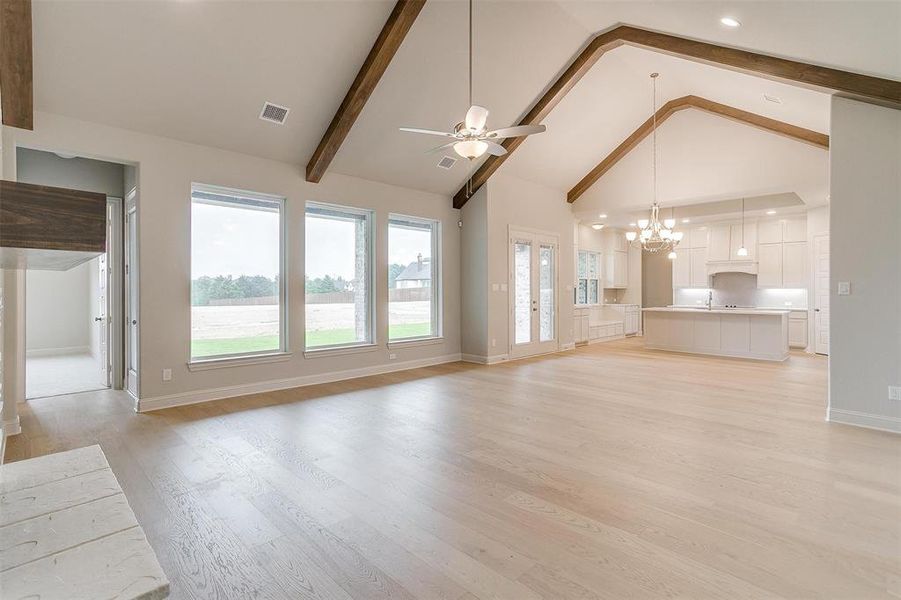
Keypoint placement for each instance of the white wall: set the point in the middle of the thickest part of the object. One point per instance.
(475, 287)
(166, 169)
(865, 250)
(57, 310)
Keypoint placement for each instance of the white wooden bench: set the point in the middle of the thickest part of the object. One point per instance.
(67, 531)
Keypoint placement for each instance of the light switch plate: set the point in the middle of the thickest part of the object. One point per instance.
(495, 287)
(167, 374)
(844, 288)
(503, 287)
(894, 392)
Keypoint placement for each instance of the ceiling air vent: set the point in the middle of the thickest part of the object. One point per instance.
(274, 113)
(447, 162)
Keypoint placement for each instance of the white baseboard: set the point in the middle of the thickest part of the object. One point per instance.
(569, 346)
(861, 419)
(484, 360)
(58, 351)
(159, 402)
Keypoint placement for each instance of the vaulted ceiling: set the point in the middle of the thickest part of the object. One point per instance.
(200, 72)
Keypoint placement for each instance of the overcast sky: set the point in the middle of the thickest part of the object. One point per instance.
(226, 241)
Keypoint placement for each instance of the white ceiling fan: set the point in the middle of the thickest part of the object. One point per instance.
(470, 137)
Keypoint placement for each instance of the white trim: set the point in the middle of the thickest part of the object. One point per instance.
(327, 351)
(158, 402)
(485, 360)
(57, 351)
(862, 419)
(237, 361)
(413, 342)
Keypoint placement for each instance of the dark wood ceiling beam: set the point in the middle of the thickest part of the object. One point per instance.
(808, 136)
(16, 85)
(386, 45)
(886, 92)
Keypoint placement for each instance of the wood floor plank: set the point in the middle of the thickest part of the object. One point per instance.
(606, 472)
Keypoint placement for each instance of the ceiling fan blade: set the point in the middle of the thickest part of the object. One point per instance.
(441, 147)
(427, 131)
(476, 117)
(495, 149)
(520, 130)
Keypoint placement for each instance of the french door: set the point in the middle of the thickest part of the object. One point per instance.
(533, 266)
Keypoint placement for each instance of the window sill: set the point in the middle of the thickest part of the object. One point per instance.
(412, 343)
(238, 361)
(339, 350)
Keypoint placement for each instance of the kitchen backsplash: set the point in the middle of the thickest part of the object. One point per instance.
(741, 289)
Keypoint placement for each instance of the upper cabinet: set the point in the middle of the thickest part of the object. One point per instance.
(782, 230)
(697, 237)
(783, 254)
(719, 242)
(616, 259)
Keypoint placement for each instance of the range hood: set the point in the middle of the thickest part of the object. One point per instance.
(731, 266)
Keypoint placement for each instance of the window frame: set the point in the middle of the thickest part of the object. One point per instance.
(236, 195)
(437, 308)
(369, 217)
(597, 257)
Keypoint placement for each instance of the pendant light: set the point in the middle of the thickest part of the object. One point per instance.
(654, 235)
(742, 251)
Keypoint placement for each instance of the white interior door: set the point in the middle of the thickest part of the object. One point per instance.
(101, 320)
(131, 298)
(821, 294)
(533, 293)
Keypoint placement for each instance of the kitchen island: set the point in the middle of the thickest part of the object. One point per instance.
(760, 334)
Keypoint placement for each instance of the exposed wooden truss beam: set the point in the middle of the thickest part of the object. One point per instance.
(16, 87)
(808, 136)
(886, 92)
(384, 49)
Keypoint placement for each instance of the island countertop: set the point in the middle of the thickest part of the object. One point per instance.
(719, 311)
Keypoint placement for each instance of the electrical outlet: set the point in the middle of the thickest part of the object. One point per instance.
(392, 356)
(167, 374)
(894, 392)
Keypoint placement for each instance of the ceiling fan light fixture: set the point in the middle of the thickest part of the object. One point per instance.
(471, 149)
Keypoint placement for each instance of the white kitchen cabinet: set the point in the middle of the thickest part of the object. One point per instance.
(697, 237)
(616, 275)
(718, 242)
(769, 266)
(580, 326)
(698, 275)
(769, 232)
(794, 265)
(797, 329)
(620, 243)
(795, 230)
(749, 240)
(682, 269)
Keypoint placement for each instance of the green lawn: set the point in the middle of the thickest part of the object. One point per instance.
(324, 337)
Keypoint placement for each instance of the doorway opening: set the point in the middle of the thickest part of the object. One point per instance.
(75, 319)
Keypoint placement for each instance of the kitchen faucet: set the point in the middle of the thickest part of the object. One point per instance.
(709, 299)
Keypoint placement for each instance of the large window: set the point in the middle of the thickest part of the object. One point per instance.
(338, 276)
(589, 278)
(414, 291)
(237, 282)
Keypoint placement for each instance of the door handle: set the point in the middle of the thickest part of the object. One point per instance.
(816, 310)
(98, 318)
(134, 322)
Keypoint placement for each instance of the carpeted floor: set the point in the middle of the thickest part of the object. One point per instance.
(61, 374)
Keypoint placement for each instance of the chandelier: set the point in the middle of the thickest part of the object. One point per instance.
(655, 235)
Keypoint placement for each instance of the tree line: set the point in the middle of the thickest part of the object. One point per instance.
(206, 288)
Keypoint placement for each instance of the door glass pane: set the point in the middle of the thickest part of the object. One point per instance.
(522, 292)
(546, 293)
(593, 292)
(583, 292)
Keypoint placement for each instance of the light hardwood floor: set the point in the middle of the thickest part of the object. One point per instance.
(605, 472)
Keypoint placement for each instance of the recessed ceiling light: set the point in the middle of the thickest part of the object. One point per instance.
(597, 226)
(771, 212)
(730, 22)
(602, 216)
(686, 220)
(773, 99)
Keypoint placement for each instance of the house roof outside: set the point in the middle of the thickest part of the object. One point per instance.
(417, 271)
